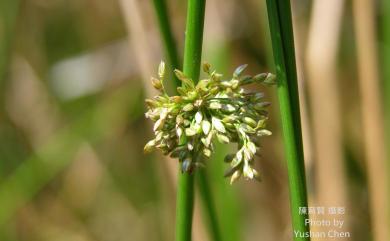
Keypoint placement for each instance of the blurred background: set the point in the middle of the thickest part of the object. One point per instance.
(73, 77)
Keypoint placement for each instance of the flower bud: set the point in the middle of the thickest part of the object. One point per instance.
(218, 125)
(260, 77)
(215, 105)
(156, 83)
(270, 79)
(250, 121)
(188, 107)
(206, 67)
(186, 165)
(239, 70)
(149, 146)
(176, 99)
(161, 70)
(236, 175)
(223, 139)
(207, 152)
(206, 126)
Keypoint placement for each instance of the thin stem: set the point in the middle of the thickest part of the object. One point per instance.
(161, 9)
(192, 58)
(170, 48)
(209, 208)
(279, 14)
(8, 14)
(184, 206)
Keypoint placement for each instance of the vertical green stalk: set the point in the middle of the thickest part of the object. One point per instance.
(8, 13)
(227, 211)
(171, 51)
(208, 206)
(280, 22)
(191, 68)
(161, 9)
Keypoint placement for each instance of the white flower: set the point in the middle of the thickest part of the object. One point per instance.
(164, 112)
(217, 123)
(215, 105)
(190, 146)
(248, 171)
(237, 116)
(206, 126)
(264, 132)
(179, 131)
(229, 108)
(190, 132)
(239, 155)
(223, 139)
(158, 125)
(161, 69)
(198, 117)
(251, 146)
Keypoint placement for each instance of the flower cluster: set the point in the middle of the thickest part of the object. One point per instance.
(187, 125)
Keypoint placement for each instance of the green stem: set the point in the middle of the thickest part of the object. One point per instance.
(8, 14)
(184, 206)
(171, 51)
(192, 58)
(209, 209)
(280, 22)
(161, 9)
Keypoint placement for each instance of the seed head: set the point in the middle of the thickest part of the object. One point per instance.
(186, 126)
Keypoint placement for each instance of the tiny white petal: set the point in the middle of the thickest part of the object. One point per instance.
(222, 95)
(158, 124)
(223, 139)
(215, 105)
(239, 156)
(218, 125)
(164, 113)
(190, 146)
(248, 171)
(264, 132)
(179, 132)
(229, 108)
(207, 152)
(206, 126)
(251, 147)
(209, 136)
(247, 154)
(149, 146)
(161, 69)
(198, 117)
(204, 141)
(159, 135)
(236, 175)
(190, 132)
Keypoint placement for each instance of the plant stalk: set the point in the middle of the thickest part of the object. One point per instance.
(191, 68)
(8, 14)
(205, 191)
(280, 22)
(161, 10)
(208, 206)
